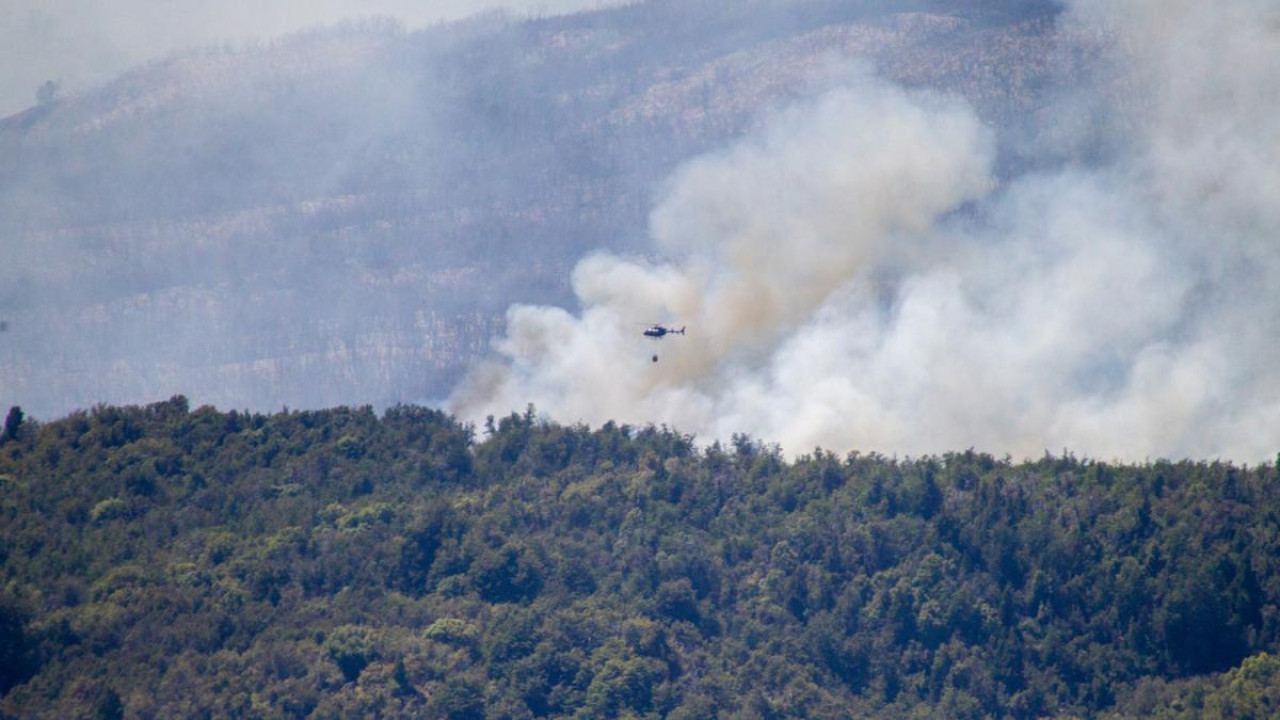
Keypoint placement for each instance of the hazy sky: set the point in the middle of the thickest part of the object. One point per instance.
(83, 42)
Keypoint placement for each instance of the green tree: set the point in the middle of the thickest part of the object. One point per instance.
(13, 422)
(351, 647)
(459, 698)
(108, 706)
(16, 660)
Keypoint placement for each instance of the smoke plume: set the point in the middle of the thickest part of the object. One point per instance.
(853, 276)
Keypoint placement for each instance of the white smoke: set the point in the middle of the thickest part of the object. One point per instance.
(852, 277)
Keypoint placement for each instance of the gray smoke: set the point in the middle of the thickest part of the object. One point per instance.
(852, 276)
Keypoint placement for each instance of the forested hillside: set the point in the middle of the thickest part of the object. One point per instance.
(162, 562)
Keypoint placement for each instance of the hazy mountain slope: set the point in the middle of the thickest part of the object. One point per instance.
(343, 215)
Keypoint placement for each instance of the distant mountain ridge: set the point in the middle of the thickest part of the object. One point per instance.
(343, 215)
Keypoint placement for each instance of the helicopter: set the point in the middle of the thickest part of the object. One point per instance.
(657, 331)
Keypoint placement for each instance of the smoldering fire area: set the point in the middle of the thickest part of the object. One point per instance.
(853, 276)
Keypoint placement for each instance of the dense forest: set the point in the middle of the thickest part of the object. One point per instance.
(163, 562)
